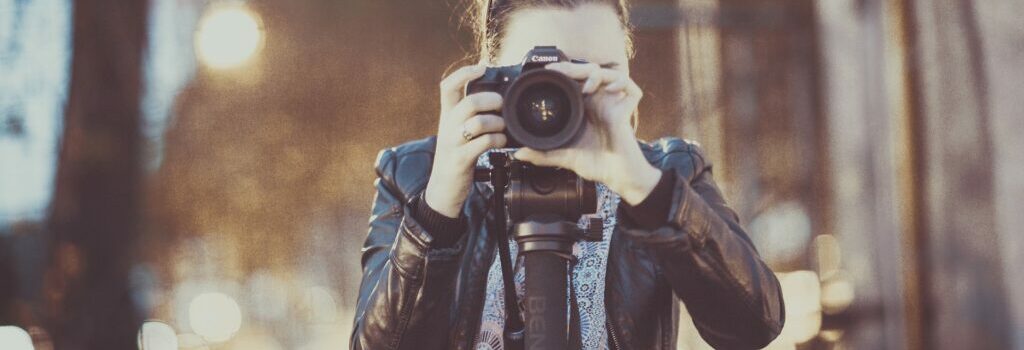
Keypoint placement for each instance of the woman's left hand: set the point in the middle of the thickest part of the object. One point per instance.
(607, 152)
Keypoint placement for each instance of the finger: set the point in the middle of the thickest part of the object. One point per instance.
(598, 78)
(477, 146)
(633, 90)
(554, 158)
(577, 71)
(483, 124)
(475, 104)
(625, 88)
(453, 84)
(618, 85)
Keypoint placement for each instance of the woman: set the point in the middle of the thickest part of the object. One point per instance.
(430, 276)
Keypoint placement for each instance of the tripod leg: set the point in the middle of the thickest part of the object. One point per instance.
(547, 325)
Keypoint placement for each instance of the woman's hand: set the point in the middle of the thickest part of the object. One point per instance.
(462, 135)
(607, 152)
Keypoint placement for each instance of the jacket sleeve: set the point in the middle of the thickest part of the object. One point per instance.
(405, 299)
(710, 263)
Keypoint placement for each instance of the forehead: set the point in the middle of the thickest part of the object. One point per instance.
(591, 32)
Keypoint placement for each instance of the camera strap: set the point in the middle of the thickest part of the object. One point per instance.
(514, 332)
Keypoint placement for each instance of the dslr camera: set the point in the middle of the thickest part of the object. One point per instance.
(543, 109)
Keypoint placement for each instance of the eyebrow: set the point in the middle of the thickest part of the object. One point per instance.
(609, 65)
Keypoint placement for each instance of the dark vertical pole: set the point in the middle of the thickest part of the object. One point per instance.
(96, 203)
(8, 288)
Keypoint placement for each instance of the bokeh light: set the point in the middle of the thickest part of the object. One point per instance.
(828, 255)
(228, 36)
(837, 293)
(783, 232)
(191, 341)
(267, 300)
(254, 339)
(156, 335)
(321, 305)
(801, 293)
(215, 316)
(15, 338)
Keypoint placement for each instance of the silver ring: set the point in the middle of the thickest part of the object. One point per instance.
(465, 134)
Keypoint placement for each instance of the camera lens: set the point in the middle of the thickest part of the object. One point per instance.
(543, 110)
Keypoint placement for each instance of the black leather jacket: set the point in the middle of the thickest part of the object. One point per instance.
(415, 296)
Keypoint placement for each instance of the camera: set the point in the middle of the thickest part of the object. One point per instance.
(543, 109)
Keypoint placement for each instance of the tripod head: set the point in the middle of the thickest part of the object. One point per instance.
(544, 205)
(543, 195)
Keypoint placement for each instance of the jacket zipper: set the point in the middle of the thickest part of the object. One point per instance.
(611, 332)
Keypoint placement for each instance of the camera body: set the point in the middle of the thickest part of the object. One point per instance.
(543, 109)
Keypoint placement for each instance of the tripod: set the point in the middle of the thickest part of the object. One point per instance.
(544, 205)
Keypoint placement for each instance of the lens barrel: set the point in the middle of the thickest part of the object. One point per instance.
(543, 110)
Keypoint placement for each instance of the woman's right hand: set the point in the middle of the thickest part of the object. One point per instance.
(463, 134)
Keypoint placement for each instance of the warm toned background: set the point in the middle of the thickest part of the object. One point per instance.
(872, 148)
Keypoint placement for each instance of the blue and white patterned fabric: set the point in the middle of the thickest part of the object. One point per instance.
(588, 277)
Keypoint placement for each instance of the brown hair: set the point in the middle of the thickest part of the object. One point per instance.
(489, 18)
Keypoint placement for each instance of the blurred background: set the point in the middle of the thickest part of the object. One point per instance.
(197, 174)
